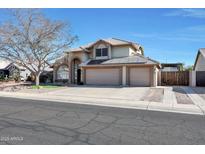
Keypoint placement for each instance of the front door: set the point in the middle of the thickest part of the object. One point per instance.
(79, 76)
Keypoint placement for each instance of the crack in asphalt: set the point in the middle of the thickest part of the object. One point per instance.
(81, 124)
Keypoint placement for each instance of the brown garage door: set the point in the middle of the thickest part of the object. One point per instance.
(139, 76)
(103, 76)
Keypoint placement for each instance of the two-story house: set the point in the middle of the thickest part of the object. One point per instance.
(107, 62)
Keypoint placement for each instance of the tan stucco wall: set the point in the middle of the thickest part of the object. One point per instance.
(113, 51)
(200, 65)
(120, 51)
(131, 51)
(82, 56)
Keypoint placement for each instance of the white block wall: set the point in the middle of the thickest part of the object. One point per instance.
(192, 78)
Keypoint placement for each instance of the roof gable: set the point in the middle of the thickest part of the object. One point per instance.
(202, 52)
(111, 41)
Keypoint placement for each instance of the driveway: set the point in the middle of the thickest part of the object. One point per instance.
(132, 93)
(42, 122)
(174, 99)
(171, 99)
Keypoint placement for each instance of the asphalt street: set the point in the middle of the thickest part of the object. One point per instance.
(42, 122)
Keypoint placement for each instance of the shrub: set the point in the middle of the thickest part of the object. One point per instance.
(2, 77)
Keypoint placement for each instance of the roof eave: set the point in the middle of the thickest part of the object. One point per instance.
(198, 53)
(121, 64)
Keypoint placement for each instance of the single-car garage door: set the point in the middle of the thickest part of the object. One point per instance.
(139, 76)
(103, 76)
(200, 78)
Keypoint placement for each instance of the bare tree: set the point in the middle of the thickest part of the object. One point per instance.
(33, 41)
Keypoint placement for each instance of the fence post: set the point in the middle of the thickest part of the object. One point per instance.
(192, 78)
(159, 78)
(155, 72)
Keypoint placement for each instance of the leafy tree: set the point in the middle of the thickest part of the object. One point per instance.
(188, 68)
(142, 50)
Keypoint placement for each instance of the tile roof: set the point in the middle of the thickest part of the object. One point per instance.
(138, 59)
(96, 62)
(4, 64)
(112, 41)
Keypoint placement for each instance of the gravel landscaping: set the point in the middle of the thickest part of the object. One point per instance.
(41, 89)
(28, 88)
(154, 95)
(13, 87)
(181, 96)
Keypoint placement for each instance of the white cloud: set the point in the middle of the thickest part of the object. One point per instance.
(195, 13)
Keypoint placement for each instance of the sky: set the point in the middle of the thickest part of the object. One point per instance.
(167, 35)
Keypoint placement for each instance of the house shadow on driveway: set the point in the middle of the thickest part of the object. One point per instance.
(181, 96)
(194, 90)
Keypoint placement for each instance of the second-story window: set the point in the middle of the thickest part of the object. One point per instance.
(102, 52)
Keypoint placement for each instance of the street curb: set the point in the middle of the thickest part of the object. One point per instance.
(97, 103)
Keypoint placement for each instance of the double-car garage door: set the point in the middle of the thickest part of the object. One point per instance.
(136, 76)
(103, 76)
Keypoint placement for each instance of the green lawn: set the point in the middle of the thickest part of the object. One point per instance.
(45, 87)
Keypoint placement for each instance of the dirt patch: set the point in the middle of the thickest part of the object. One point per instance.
(13, 87)
(154, 95)
(181, 96)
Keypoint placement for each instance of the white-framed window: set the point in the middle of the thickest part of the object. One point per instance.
(63, 72)
(101, 53)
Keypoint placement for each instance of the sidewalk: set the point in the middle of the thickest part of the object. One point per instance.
(169, 102)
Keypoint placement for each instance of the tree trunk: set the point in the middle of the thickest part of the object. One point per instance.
(37, 79)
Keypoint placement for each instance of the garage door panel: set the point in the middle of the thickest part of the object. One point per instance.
(140, 76)
(103, 76)
(200, 78)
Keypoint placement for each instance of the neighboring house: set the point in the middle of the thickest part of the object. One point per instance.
(8, 69)
(46, 76)
(199, 64)
(171, 67)
(199, 67)
(107, 62)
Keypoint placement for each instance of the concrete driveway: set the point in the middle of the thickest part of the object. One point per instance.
(132, 93)
(171, 99)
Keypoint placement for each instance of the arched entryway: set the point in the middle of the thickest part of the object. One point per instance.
(75, 71)
(62, 73)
